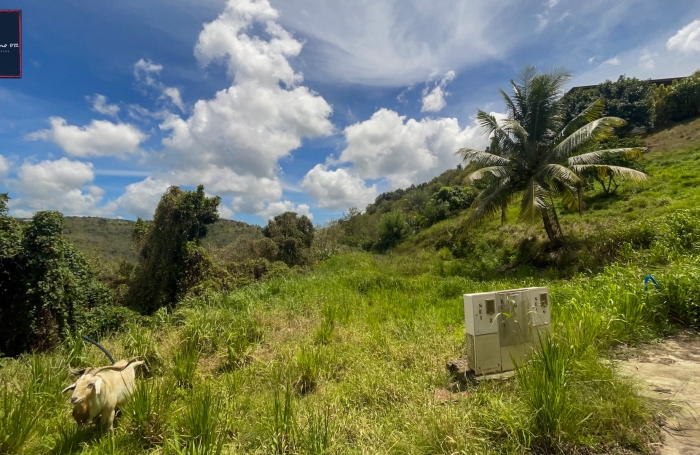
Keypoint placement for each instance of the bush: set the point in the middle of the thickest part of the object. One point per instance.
(628, 98)
(293, 236)
(170, 259)
(106, 319)
(46, 285)
(679, 101)
(392, 229)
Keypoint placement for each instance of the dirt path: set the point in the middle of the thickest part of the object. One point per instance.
(671, 371)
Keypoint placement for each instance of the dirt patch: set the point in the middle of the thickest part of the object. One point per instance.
(671, 373)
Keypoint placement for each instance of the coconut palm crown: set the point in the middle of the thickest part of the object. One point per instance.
(534, 157)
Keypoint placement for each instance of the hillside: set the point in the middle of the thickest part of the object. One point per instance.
(110, 239)
(350, 357)
(672, 164)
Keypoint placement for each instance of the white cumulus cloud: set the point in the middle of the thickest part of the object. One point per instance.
(647, 60)
(141, 198)
(4, 166)
(434, 100)
(615, 61)
(276, 208)
(99, 138)
(337, 189)
(100, 104)
(232, 142)
(406, 151)
(147, 72)
(687, 39)
(62, 185)
(173, 94)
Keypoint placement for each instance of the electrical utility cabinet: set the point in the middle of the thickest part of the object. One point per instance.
(503, 326)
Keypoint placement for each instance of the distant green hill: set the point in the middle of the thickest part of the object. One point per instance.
(104, 238)
(110, 239)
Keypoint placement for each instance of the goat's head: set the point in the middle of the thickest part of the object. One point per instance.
(84, 387)
(89, 382)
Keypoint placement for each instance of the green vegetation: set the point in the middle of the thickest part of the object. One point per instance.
(628, 98)
(298, 341)
(292, 235)
(109, 240)
(679, 101)
(534, 156)
(640, 102)
(47, 287)
(169, 250)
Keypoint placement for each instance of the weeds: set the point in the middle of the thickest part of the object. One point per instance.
(282, 425)
(309, 366)
(200, 429)
(545, 381)
(139, 341)
(184, 366)
(240, 341)
(19, 413)
(148, 409)
(317, 434)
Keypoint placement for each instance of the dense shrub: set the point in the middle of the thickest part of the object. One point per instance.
(47, 287)
(679, 101)
(628, 98)
(170, 259)
(392, 229)
(293, 235)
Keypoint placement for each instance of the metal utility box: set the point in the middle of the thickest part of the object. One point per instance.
(502, 326)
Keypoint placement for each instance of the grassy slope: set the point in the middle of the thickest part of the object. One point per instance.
(104, 238)
(673, 166)
(360, 345)
(110, 239)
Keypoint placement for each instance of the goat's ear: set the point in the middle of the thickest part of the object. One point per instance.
(70, 387)
(98, 385)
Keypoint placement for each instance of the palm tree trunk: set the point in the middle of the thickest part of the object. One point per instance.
(551, 226)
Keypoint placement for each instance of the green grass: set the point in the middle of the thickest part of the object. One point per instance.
(108, 241)
(350, 358)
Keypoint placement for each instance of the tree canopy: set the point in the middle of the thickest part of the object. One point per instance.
(293, 235)
(166, 246)
(47, 287)
(534, 155)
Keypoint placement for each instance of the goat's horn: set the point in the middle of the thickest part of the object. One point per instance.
(76, 372)
(113, 367)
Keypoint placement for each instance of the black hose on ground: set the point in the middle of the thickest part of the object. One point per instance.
(99, 346)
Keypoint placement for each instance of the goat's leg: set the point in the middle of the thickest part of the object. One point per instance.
(107, 419)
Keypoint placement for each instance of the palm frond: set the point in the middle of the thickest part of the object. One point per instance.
(571, 195)
(556, 77)
(496, 171)
(491, 201)
(533, 202)
(594, 111)
(512, 108)
(515, 128)
(604, 169)
(523, 79)
(596, 130)
(481, 159)
(556, 172)
(595, 157)
(491, 128)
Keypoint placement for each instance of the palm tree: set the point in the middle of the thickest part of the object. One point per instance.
(533, 156)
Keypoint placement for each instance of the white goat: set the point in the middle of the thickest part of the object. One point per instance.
(99, 391)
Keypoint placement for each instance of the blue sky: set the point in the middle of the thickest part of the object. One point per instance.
(289, 105)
